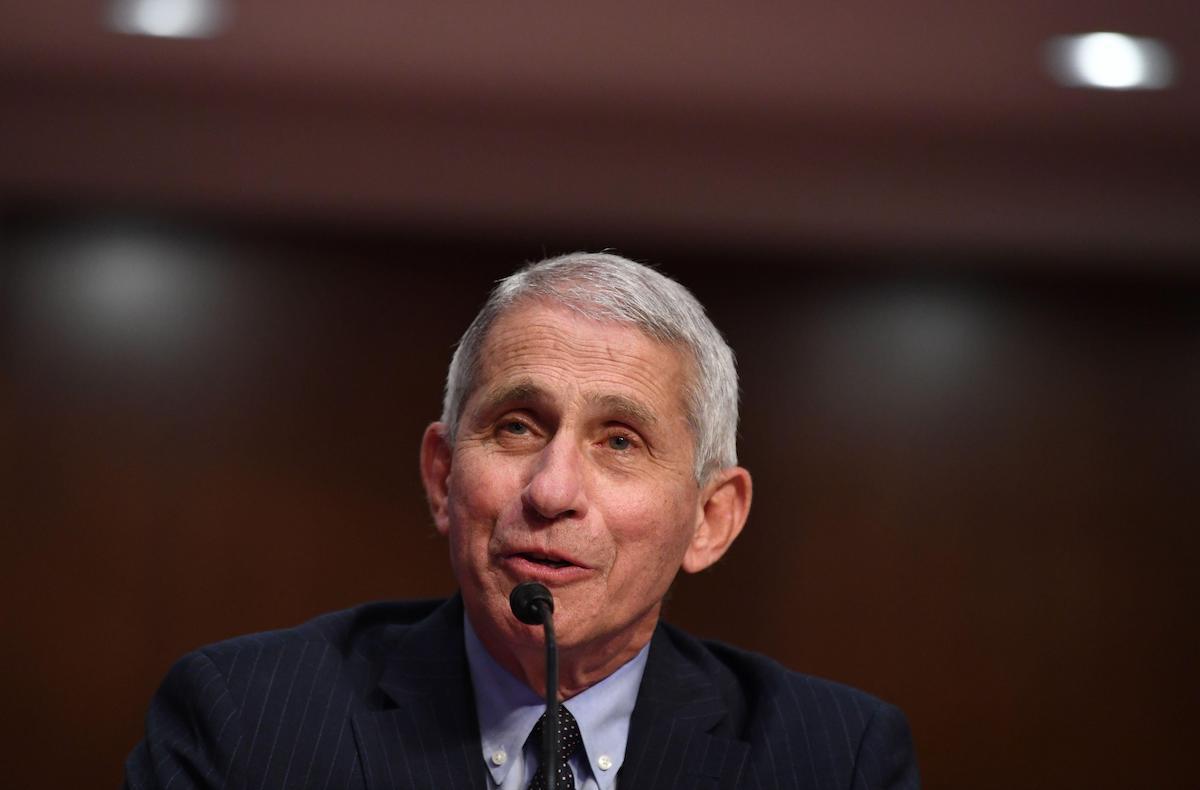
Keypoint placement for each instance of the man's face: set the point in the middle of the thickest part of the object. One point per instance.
(572, 467)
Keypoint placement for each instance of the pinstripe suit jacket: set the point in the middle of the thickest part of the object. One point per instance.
(380, 697)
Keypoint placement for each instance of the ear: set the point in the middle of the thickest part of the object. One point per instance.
(725, 504)
(436, 455)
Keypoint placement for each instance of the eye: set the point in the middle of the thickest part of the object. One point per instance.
(515, 427)
(619, 442)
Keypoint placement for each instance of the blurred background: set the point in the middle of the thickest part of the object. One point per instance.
(956, 253)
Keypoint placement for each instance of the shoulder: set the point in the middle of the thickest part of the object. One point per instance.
(207, 717)
(340, 651)
(791, 718)
(759, 681)
(363, 630)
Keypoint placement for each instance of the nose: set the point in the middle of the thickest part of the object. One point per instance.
(556, 487)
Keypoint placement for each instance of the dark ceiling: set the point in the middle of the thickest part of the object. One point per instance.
(787, 124)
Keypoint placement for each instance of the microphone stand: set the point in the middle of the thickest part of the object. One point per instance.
(532, 604)
(550, 731)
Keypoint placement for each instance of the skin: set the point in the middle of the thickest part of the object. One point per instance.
(575, 446)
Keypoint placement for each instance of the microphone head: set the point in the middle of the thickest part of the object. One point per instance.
(531, 602)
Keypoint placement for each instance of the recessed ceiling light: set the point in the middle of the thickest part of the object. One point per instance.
(1111, 61)
(169, 18)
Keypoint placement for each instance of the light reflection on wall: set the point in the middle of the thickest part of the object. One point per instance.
(120, 288)
(906, 352)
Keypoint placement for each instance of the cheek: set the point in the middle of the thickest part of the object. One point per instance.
(656, 524)
(480, 493)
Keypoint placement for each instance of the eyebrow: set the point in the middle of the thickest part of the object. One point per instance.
(526, 391)
(521, 390)
(625, 408)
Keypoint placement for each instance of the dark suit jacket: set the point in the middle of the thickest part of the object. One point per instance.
(380, 697)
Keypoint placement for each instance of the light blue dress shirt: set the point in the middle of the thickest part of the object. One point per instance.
(508, 710)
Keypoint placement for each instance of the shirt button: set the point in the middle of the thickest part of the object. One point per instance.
(605, 762)
(499, 756)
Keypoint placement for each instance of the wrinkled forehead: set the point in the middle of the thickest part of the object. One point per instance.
(539, 337)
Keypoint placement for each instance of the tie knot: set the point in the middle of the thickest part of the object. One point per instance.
(569, 739)
(569, 742)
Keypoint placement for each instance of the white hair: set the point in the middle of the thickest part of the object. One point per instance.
(605, 287)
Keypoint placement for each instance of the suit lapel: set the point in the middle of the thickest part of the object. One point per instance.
(427, 735)
(670, 734)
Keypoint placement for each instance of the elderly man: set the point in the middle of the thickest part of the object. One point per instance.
(587, 442)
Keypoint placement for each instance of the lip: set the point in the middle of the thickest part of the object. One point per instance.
(524, 569)
(542, 551)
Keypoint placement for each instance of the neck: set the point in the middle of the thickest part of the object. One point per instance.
(521, 650)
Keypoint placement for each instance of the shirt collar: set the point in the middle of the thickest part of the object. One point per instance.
(508, 710)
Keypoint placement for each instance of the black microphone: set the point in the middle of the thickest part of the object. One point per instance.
(532, 604)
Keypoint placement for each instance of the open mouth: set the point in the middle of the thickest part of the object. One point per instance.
(542, 559)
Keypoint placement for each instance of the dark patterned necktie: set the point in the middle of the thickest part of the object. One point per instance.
(569, 742)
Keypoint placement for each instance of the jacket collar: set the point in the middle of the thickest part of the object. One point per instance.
(672, 742)
(426, 737)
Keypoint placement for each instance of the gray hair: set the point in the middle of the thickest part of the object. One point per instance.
(605, 287)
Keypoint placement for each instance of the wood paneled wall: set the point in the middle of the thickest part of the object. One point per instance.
(975, 488)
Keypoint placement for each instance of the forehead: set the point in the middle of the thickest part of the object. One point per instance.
(542, 346)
